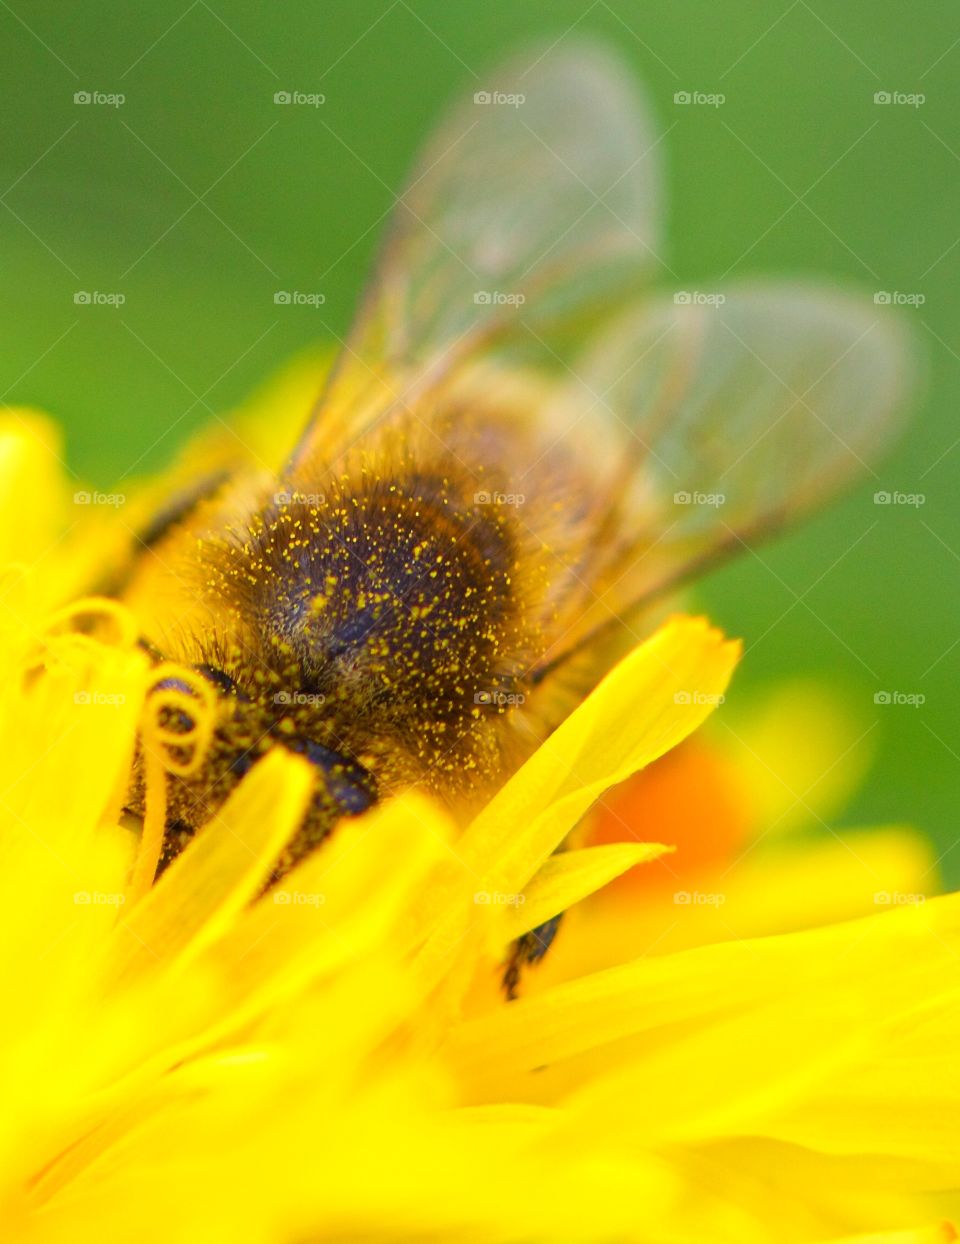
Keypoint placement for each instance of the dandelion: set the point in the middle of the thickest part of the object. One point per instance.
(331, 1059)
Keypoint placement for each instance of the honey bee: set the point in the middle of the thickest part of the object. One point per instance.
(522, 446)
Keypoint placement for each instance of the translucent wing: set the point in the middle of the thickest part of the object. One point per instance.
(533, 200)
(723, 420)
(694, 426)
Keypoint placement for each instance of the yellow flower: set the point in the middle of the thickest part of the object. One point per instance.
(329, 1060)
(749, 805)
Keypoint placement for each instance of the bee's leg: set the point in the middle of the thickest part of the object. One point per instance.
(174, 511)
(177, 835)
(526, 951)
(179, 507)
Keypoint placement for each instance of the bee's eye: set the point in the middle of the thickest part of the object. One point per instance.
(173, 684)
(223, 682)
(175, 718)
(349, 784)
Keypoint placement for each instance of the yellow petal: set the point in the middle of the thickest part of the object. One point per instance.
(654, 698)
(203, 889)
(791, 884)
(32, 495)
(568, 877)
(933, 1233)
(790, 1036)
(649, 702)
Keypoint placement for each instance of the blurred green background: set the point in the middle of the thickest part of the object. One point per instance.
(198, 198)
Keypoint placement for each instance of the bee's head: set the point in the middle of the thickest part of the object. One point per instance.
(228, 718)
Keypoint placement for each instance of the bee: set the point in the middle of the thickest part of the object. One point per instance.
(523, 444)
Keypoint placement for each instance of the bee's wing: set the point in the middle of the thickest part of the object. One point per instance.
(725, 421)
(534, 199)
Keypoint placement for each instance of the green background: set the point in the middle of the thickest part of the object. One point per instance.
(798, 171)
